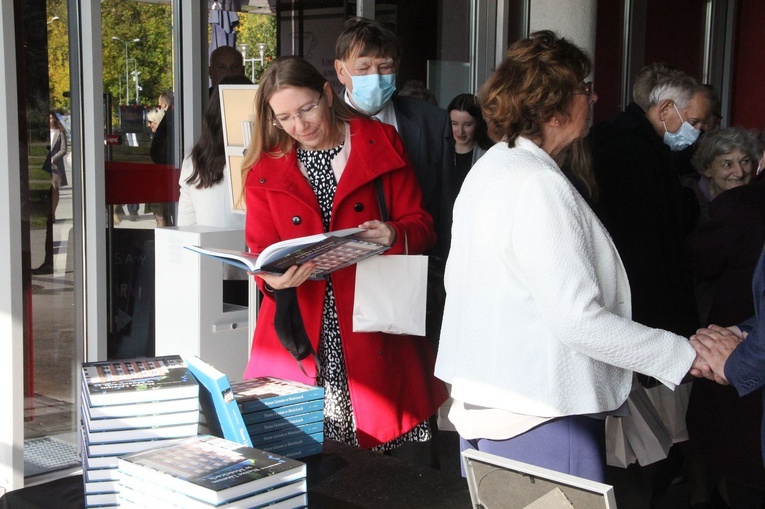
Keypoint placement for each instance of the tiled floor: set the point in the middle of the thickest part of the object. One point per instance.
(49, 442)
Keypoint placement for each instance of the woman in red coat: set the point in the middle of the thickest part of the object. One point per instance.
(311, 167)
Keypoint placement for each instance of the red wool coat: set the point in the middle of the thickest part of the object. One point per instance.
(390, 377)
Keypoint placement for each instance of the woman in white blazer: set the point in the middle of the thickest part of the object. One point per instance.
(205, 197)
(537, 341)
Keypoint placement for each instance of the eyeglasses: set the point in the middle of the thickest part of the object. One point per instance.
(586, 88)
(307, 113)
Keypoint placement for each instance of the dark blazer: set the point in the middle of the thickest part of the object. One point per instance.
(427, 134)
(724, 251)
(745, 368)
(648, 214)
(161, 150)
(58, 151)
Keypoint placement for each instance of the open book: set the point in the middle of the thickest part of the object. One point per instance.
(330, 251)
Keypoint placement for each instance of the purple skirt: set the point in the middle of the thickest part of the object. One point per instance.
(573, 445)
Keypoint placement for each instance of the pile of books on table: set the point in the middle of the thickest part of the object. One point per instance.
(282, 416)
(207, 471)
(130, 406)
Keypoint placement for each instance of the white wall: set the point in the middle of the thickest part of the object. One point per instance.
(11, 313)
(574, 20)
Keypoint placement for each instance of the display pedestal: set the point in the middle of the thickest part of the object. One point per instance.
(192, 316)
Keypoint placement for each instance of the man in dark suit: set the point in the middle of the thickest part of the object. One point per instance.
(367, 56)
(736, 354)
(642, 203)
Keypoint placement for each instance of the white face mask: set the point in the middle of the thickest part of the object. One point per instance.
(683, 138)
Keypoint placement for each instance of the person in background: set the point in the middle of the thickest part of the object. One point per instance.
(205, 183)
(416, 88)
(225, 61)
(723, 159)
(58, 150)
(311, 167)
(471, 136)
(153, 118)
(642, 203)
(735, 355)
(648, 77)
(724, 429)
(54, 163)
(367, 57)
(537, 341)
(162, 151)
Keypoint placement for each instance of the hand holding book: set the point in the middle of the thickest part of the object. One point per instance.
(327, 252)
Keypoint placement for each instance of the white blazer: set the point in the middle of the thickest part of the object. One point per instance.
(537, 315)
(211, 206)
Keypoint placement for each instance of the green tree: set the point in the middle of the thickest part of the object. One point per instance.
(58, 55)
(255, 28)
(153, 54)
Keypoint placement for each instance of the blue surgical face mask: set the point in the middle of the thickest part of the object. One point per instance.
(683, 138)
(372, 92)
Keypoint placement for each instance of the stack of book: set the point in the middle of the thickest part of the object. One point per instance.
(282, 416)
(207, 471)
(130, 406)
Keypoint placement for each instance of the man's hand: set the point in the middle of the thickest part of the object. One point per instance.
(713, 346)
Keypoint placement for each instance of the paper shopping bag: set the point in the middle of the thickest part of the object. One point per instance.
(391, 294)
(672, 407)
(618, 450)
(644, 429)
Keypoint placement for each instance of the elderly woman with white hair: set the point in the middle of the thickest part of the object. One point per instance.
(725, 159)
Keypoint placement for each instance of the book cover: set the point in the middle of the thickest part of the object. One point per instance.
(266, 392)
(137, 381)
(150, 494)
(287, 433)
(221, 412)
(285, 422)
(283, 411)
(212, 469)
(330, 251)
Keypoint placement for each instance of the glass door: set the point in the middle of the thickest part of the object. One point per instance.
(48, 183)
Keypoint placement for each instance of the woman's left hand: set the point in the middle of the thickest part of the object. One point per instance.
(377, 231)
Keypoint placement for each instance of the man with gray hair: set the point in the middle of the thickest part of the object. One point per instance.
(647, 79)
(643, 205)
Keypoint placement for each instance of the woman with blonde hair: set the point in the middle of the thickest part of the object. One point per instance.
(312, 166)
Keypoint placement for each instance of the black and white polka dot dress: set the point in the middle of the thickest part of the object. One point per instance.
(339, 422)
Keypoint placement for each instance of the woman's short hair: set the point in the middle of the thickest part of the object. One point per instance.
(469, 104)
(536, 80)
(287, 71)
(363, 37)
(725, 141)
